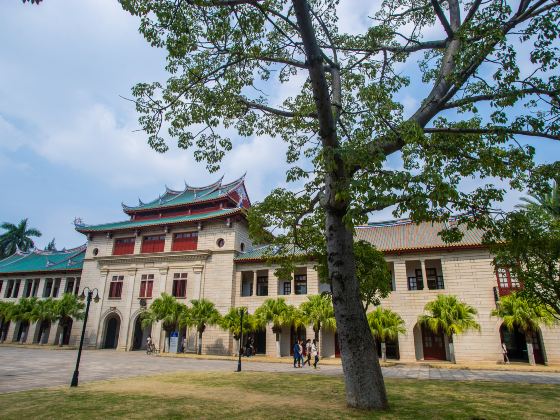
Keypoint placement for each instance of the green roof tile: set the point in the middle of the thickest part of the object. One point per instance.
(132, 224)
(35, 261)
(189, 195)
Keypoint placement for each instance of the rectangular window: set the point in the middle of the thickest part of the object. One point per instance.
(48, 288)
(69, 285)
(77, 288)
(16, 288)
(56, 287)
(179, 285)
(507, 281)
(124, 246)
(262, 286)
(146, 285)
(416, 282)
(185, 241)
(287, 287)
(35, 287)
(434, 281)
(301, 284)
(115, 288)
(27, 289)
(153, 243)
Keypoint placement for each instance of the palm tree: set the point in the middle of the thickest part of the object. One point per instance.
(44, 314)
(449, 315)
(318, 311)
(201, 314)
(17, 237)
(22, 311)
(517, 312)
(549, 202)
(232, 322)
(166, 309)
(385, 324)
(65, 309)
(6, 311)
(279, 314)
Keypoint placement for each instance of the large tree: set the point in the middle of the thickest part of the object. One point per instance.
(17, 237)
(343, 117)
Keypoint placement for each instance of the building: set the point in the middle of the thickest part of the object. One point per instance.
(40, 274)
(193, 243)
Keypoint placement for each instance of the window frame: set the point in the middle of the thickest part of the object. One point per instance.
(179, 278)
(300, 280)
(116, 287)
(185, 241)
(146, 286)
(124, 246)
(153, 243)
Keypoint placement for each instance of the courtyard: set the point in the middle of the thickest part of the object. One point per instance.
(34, 383)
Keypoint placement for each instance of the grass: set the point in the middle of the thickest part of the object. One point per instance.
(251, 395)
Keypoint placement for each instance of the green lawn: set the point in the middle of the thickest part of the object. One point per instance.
(277, 395)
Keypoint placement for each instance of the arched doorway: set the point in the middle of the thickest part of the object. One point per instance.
(43, 332)
(391, 349)
(21, 331)
(297, 334)
(67, 331)
(433, 344)
(516, 345)
(140, 334)
(4, 331)
(112, 327)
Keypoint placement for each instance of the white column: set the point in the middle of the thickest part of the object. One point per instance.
(197, 278)
(130, 297)
(424, 277)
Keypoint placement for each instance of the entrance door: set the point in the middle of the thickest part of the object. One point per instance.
(515, 344)
(294, 336)
(44, 331)
(336, 346)
(112, 333)
(260, 342)
(22, 331)
(433, 345)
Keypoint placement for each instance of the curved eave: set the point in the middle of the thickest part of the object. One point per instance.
(162, 222)
(54, 270)
(133, 210)
(436, 248)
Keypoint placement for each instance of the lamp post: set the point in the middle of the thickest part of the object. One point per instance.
(242, 312)
(88, 301)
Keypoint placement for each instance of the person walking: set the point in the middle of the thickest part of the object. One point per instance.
(301, 362)
(308, 350)
(315, 353)
(504, 352)
(297, 358)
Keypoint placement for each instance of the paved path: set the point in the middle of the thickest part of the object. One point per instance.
(23, 369)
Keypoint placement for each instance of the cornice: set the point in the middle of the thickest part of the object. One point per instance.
(156, 258)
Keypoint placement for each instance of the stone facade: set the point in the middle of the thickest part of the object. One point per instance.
(225, 268)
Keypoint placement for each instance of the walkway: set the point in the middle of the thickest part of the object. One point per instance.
(23, 369)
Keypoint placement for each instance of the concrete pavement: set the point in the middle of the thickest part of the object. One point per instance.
(25, 368)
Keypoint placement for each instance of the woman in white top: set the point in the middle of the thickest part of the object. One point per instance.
(315, 353)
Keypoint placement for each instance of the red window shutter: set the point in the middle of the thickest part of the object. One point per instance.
(149, 289)
(142, 289)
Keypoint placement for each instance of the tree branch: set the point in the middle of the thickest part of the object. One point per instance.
(495, 130)
(442, 18)
(271, 110)
(490, 97)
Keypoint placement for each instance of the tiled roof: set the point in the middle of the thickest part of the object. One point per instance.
(38, 261)
(132, 224)
(261, 253)
(403, 235)
(189, 195)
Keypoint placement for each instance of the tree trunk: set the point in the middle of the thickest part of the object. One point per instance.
(316, 335)
(451, 350)
(364, 381)
(199, 343)
(61, 338)
(238, 346)
(365, 388)
(530, 353)
(383, 351)
(277, 344)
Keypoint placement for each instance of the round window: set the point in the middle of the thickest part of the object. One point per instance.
(242, 247)
(95, 251)
(220, 242)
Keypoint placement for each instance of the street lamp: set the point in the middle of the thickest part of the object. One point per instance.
(241, 312)
(82, 297)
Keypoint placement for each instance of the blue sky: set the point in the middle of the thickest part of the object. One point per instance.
(67, 142)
